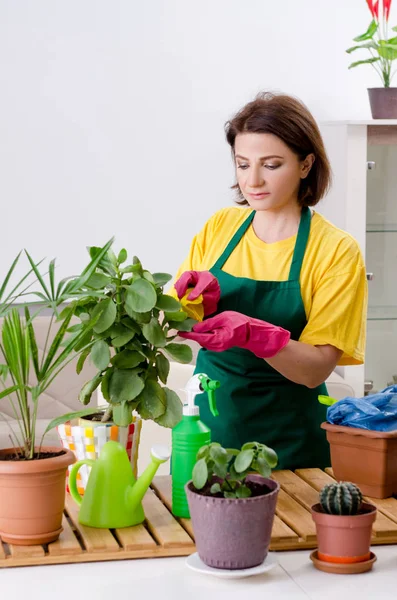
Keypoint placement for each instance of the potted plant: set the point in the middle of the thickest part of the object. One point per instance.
(232, 503)
(129, 327)
(383, 52)
(344, 526)
(32, 476)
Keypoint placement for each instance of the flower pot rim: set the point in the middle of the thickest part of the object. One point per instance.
(369, 433)
(14, 467)
(382, 87)
(371, 509)
(189, 487)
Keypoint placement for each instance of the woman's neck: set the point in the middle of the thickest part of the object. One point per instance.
(275, 225)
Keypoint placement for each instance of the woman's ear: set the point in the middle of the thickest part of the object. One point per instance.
(306, 165)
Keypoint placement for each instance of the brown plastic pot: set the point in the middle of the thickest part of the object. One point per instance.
(383, 102)
(32, 497)
(344, 539)
(366, 458)
(233, 533)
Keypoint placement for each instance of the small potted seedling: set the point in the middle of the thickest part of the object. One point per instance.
(232, 503)
(344, 526)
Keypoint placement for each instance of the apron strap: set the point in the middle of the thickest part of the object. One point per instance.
(300, 245)
(234, 241)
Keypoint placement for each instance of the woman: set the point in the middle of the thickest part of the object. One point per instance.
(284, 291)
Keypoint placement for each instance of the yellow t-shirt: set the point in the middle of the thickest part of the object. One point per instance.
(333, 277)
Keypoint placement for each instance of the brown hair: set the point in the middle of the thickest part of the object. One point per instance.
(290, 120)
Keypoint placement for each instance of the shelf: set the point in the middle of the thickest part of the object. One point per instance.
(381, 228)
(382, 313)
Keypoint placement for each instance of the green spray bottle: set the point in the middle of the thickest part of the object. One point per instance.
(187, 438)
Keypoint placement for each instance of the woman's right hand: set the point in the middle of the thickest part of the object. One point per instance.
(203, 283)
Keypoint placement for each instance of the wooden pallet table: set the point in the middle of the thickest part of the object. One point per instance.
(163, 535)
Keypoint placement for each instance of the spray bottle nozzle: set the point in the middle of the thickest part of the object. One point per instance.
(198, 384)
(210, 385)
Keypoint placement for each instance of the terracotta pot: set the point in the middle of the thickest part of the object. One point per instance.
(233, 533)
(32, 497)
(344, 538)
(383, 102)
(366, 458)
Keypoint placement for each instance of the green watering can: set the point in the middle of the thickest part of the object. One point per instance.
(112, 498)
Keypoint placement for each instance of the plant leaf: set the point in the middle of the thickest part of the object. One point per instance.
(364, 62)
(182, 353)
(175, 316)
(173, 412)
(215, 488)
(127, 359)
(123, 338)
(122, 257)
(368, 34)
(163, 367)
(98, 281)
(33, 343)
(153, 333)
(69, 417)
(263, 467)
(168, 303)
(100, 355)
(152, 400)
(105, 312)
(125, 385)
(243, 460)
(370, 44)
(141, 296)
(161, 279)
(81, 360)
(243, 492)
(270, 455)
(186, 325)
(106, 383)
(88, 389)
(200, 474)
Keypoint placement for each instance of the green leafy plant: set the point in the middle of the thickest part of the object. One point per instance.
(128, 326)
(231, 467)
(376, 40)
(29, 373)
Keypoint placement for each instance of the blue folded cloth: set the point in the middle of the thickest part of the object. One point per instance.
(377, 412)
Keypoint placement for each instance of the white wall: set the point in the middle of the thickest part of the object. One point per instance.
(112, 112)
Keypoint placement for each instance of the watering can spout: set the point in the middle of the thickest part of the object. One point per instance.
(159, 454)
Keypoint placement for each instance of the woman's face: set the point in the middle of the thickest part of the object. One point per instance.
(267, 171)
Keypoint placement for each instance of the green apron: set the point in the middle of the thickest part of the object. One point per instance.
(256, 402)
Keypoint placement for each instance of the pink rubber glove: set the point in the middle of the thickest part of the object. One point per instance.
(230, 329)
(204, 283)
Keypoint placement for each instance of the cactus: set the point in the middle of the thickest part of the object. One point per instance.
(342, 498)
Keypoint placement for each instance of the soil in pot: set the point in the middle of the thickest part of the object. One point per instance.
(257, 489)
(36, 456)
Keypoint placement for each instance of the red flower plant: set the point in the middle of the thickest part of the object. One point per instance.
(376, 40)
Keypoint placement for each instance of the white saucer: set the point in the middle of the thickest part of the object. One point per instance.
(195, 563)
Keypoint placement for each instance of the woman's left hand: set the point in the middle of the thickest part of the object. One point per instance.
(229, 329)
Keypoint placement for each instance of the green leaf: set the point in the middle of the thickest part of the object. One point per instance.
(130, 324)
(9, 274)
(127, 359)
(8, 391)
(153, 333)
(81, 360)
(85, 339)
(161, 279)
(69, 417)
(122, 257)
(249, 446)
(56, 343)
(33, 343)
(230, 494)
(388, 49)
(182, 353)
(152, 400)
(100, 355)
(141, 296)
(200, 474)
(263, 467)
(88, 389)
(186, 325)
(243, 460)
(175, 316)
(105, 312)
(364, 62)
(215, 488)
(98, 281)
(371, 44)
(243, 492)
(220, 470)
(270, 455)
(218, 454)
(148, 276)
(168, 303)
(163, 367)
(173, 412)
(125, 385)
(123, 338)
(106, 383)
(368, 34)
(138, 317)
(203, 452)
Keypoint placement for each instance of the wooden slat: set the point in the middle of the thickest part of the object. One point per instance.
(23, 552)
(383, 526)
(95, 540)
(162, 525)
(296, 488)
(295, 516)
(135, 538)
(67, 542)
(163, 486)
(282, 535)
